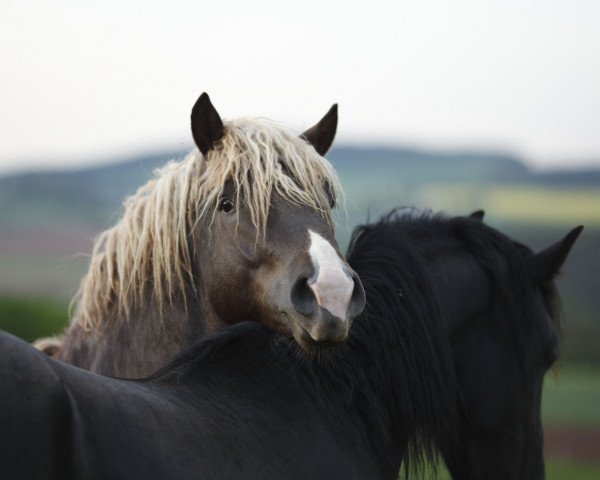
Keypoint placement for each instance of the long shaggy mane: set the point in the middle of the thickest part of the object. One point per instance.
(502, 258)
(148, 251)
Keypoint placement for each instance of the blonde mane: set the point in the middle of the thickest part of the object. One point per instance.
(147, 251)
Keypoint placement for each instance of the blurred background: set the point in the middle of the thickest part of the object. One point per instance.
(453, 106)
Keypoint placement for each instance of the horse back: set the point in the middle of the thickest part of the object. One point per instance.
(59, 421)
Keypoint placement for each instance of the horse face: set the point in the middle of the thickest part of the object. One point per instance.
(501, 436)
(501, 432)
(293, 279)
(292, 276)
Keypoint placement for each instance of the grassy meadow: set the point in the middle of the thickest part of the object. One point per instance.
(555, 470)
(558, 206)
(572, 396)
(31, 317)
(571, 403)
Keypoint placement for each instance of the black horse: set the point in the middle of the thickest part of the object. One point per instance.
(500, 311)
(245, 402)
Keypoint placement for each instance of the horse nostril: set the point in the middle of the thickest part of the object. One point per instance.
(303, 298)
(357, 300)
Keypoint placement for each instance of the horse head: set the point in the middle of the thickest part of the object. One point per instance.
(500, 315)
(268, 251)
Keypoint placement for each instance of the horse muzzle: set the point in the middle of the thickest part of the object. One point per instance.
(324, 306)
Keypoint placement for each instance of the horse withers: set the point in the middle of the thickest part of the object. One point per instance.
(241, 229)
(499, 308)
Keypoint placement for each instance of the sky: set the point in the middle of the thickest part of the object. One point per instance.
(86, 82)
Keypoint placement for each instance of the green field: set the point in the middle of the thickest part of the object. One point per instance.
(555, 470)
(572, 397)
(519, 203)
(40, 274)
(33, 317)
(563, 470)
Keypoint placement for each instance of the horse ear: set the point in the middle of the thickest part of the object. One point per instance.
(322, 134)
(207, 126)
(478, 215)
(544, 265)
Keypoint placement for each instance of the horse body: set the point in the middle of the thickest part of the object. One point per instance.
(234, 232)
(219, 423)
(497, 304)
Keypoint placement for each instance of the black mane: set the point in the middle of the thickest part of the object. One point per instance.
(503, 259)
(394, 375)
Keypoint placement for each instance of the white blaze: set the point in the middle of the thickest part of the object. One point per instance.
(333, 286)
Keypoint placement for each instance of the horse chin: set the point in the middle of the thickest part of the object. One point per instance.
(305, 340)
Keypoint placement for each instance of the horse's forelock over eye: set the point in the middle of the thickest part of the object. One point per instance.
(226, 205)
(330, 195)
(285, 169)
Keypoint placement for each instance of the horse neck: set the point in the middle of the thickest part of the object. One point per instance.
(138, 344)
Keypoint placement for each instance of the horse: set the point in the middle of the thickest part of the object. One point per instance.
(246, 401)
(241, 229)
(499, 309)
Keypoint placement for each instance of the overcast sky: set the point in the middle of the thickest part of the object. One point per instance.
(86, 81)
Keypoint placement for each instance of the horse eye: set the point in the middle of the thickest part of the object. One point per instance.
(330, 195)
(226, 205)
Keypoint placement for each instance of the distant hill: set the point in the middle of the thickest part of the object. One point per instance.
(92, 195)
(421, 165)
(89, 195)
(458, 166)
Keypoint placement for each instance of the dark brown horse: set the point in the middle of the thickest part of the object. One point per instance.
(241, 229)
